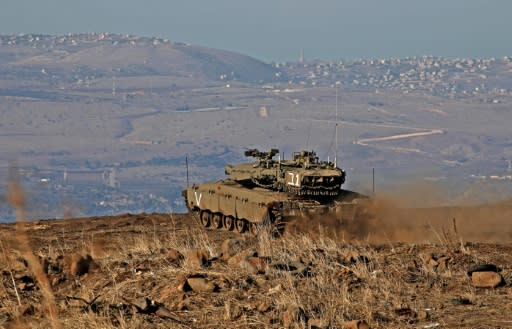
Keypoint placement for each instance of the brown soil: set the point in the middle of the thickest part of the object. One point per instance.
(144, 272)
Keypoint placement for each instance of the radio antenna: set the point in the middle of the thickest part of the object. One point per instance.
(336, 128)
(186, 164)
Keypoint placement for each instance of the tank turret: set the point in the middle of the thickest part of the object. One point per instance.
(303, 175)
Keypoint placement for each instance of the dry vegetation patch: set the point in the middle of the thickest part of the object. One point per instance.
(160, 271)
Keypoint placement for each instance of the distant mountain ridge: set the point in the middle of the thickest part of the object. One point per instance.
(130, 55)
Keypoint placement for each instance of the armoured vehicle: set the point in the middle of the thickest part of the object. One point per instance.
(270, 191)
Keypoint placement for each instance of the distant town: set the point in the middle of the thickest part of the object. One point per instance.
(438, 76)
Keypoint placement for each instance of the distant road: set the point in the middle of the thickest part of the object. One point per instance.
(367, 141)
(419, 132)
(214, 109)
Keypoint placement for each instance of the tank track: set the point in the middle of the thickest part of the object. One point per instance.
(273, 224)
(346, 210)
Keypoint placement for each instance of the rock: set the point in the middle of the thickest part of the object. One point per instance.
(145, 305)
(164, 313)
(198, 258)
(486, 279)
(248, 260)
(255, 265)
(201, 284)
(79, 265)
(318, 324)
(175, 257)
(231, 247)
(356, 324)
(293, 315)
(236, 260)
(141, 303)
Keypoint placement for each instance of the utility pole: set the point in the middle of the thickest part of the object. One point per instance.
(186, 164)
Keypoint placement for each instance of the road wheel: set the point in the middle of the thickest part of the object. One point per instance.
(241, 225)
(205, 218)
(229, 223)
(217, 220)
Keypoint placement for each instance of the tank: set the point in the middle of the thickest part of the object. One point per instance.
(269, 192)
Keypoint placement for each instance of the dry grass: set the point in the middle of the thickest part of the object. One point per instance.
(388, 285)
(16, 199)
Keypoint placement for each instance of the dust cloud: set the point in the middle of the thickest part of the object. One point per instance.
(415, 213)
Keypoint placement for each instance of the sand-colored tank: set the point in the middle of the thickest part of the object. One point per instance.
(271, 191)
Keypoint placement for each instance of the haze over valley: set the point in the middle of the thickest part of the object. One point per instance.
(101, 123)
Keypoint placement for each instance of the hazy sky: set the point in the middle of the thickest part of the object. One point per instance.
(276, 30)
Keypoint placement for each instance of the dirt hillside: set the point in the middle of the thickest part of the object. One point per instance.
(165, 271)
